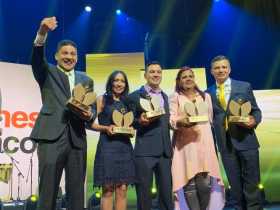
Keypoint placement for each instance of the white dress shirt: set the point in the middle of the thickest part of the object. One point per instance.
(227, 86)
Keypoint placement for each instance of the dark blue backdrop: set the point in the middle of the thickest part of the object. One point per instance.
(192, 38)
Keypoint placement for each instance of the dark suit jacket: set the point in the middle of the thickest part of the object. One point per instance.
(240, 137)
(154, 139)
(54, 116)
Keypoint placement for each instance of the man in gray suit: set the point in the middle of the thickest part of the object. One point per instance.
(237, 142)
(60, 134)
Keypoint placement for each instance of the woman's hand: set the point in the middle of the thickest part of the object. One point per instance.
(184, 122)
(109, 130)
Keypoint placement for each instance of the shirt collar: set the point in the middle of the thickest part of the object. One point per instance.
(151, 90)
(69, 73)
(226, 83)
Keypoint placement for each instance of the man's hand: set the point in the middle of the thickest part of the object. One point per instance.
(47, 24)
(86, 115)
(143, 120)
(251, 124)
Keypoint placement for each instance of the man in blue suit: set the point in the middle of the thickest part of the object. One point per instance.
(237, 143)
(153, 146)
(60, 134)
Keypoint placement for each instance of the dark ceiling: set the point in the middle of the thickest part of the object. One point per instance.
(178, 17)
(183, 31)
(182, 16)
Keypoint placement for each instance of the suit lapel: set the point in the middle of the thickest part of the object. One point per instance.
(62, 82)
(143, 93)
(233, 88)
(213, 92)
(166, 104)
(77, 78)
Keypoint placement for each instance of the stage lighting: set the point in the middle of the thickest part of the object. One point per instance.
(154, 195)
(262, 192)
(33, 198)
(88, 9)
(94, 200)
(216, 0)
(154, 192)
(31, 203)
(260, 186)
(118, 12)
(98, 194)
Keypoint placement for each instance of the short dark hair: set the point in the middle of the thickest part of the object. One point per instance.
(65, 42)
(152, 63)
(219, 58)
(109, 85)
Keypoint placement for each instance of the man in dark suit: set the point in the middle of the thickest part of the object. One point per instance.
(153, 147)
(60, 134)
(237, 142)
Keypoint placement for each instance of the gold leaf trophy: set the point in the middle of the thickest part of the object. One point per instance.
(196, 111)
(81, 100)
(123, 122)
(152, 107)
(5, 172)
(239, 111)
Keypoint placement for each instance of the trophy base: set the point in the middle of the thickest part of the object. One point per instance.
(126, 131)
(238, 119)
(155, 114)
(197, 119)
(5, 172)
(78, 108)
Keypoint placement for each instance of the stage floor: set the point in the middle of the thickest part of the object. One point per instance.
(20, 206)
(267, 207)
(270, 207)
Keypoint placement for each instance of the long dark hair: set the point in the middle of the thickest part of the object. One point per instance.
(178, 87)
(109, 86)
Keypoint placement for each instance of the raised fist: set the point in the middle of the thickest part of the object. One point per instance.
(47, 24)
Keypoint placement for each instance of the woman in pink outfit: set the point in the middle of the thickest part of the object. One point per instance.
(197, 182)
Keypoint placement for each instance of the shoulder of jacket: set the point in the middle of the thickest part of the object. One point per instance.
(134, 93)
(240, 83)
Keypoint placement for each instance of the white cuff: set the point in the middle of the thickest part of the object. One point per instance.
(40, 39)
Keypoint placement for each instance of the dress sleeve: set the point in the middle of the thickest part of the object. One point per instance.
(210, 107)
(173, 106)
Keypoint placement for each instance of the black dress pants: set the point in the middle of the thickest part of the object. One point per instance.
(145, 168)
(243, 172)
(53, 158)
